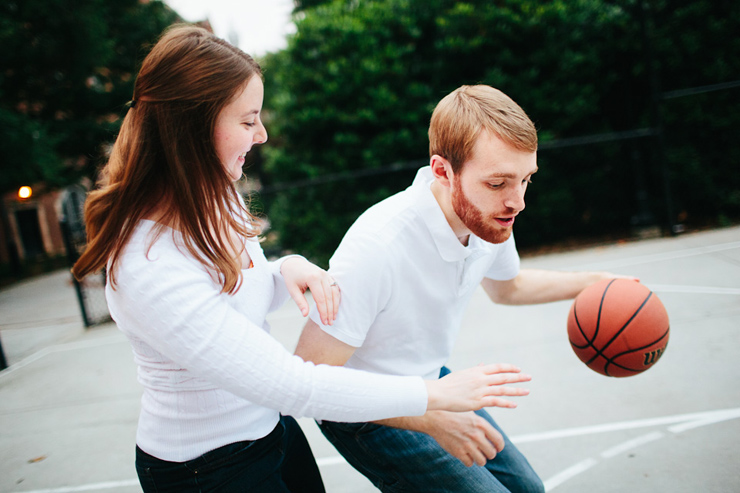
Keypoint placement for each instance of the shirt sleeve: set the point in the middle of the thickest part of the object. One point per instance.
(363, 272)
(281, 290)
(173, 305)
(506, 265)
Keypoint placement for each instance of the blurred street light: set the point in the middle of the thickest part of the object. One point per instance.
(24, 192)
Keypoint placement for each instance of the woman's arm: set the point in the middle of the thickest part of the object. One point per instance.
(175, 307)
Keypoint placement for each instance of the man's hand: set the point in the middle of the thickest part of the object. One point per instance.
(467, 436)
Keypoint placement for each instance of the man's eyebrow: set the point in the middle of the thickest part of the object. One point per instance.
(511, 175)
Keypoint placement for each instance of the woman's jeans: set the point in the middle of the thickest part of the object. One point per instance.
(280, 462)
(397, 460)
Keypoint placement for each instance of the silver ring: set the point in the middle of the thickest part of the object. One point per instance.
(334, 283)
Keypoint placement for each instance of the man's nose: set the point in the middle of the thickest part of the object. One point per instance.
(515, 199)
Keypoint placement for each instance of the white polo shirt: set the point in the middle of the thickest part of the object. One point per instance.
(406, 280)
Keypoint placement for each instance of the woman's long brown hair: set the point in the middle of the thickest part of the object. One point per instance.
(164, 160)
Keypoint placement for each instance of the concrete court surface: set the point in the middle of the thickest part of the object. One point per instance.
(69, 402)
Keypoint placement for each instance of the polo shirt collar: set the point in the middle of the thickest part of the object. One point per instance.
(449, 247)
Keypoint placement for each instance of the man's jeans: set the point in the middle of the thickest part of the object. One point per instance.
(396, 460)
(280, 462)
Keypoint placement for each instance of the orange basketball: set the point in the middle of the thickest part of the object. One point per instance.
(618, 327)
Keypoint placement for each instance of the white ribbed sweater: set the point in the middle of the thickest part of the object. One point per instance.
(212, 374)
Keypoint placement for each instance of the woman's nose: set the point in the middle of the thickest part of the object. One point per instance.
(261, 136)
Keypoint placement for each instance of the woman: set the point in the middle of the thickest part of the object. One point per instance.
(190, 288)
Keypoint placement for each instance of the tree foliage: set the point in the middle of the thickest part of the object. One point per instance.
(355, 89)
(66, 69)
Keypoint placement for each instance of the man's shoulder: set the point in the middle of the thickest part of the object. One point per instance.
(387, 222)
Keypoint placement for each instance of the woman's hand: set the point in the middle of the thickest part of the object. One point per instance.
(300, 275)
(475, 388)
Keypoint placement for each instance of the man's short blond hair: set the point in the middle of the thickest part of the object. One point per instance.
(460, 116)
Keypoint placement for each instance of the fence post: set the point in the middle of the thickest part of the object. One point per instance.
(3, 361)
(72, 258)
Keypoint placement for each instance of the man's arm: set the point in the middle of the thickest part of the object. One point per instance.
(321, 348)
(466, 436)
(533, 286)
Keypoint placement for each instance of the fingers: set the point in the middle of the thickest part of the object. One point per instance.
(321, 292)
(507, 378)
(484, 445)
(299, 298)
(503, 373)
(487, 447)
(337, 296)
(493, 394)
(326, 295)
(477, 457)
(495, 368)
(507, 391)
(494, 437)
(493, 401)
(331, 291)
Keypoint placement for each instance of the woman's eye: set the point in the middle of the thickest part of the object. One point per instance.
(249, 124)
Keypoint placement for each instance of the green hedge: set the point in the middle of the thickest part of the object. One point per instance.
(357, 84)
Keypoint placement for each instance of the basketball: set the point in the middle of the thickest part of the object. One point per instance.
(618, 327)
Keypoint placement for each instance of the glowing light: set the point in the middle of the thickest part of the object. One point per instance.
(24, 192)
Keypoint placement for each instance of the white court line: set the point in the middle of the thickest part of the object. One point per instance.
(690, 421)
(331, 461)
(708, 420)
(657, 257)
(102, 341)
(626, 425)
(695, 420)
(630, 444)
(87, 487)
(569, 473)
(667, 288)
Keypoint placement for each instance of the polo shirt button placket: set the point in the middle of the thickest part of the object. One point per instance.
(460, 278)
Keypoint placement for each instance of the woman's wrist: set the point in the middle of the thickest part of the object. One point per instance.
(281, 261)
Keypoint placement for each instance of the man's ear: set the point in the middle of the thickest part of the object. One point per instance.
(441, 170)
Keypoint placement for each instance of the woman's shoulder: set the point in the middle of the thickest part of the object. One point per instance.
(153, 247)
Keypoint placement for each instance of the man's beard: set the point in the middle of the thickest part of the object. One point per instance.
(473, 219)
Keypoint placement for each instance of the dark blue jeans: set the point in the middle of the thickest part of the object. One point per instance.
(280, 462)
(396, 461)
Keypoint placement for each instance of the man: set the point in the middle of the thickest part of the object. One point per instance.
(407, 269)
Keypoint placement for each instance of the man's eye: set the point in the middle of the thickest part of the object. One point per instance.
(249, 124)
(495, 185)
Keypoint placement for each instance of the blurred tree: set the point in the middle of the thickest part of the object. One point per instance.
(300, 5)
(356, 86)
(67, 67)
(697, 45)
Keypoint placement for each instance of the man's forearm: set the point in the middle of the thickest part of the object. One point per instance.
(534, 286)
(412, 423)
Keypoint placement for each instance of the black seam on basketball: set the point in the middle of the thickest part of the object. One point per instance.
(665, 334)
(590, 343)
(601, 351)
(606, 369)
(610, 361)
(601, 305)
(578, 324)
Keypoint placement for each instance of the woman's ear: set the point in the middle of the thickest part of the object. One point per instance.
(441, 170)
